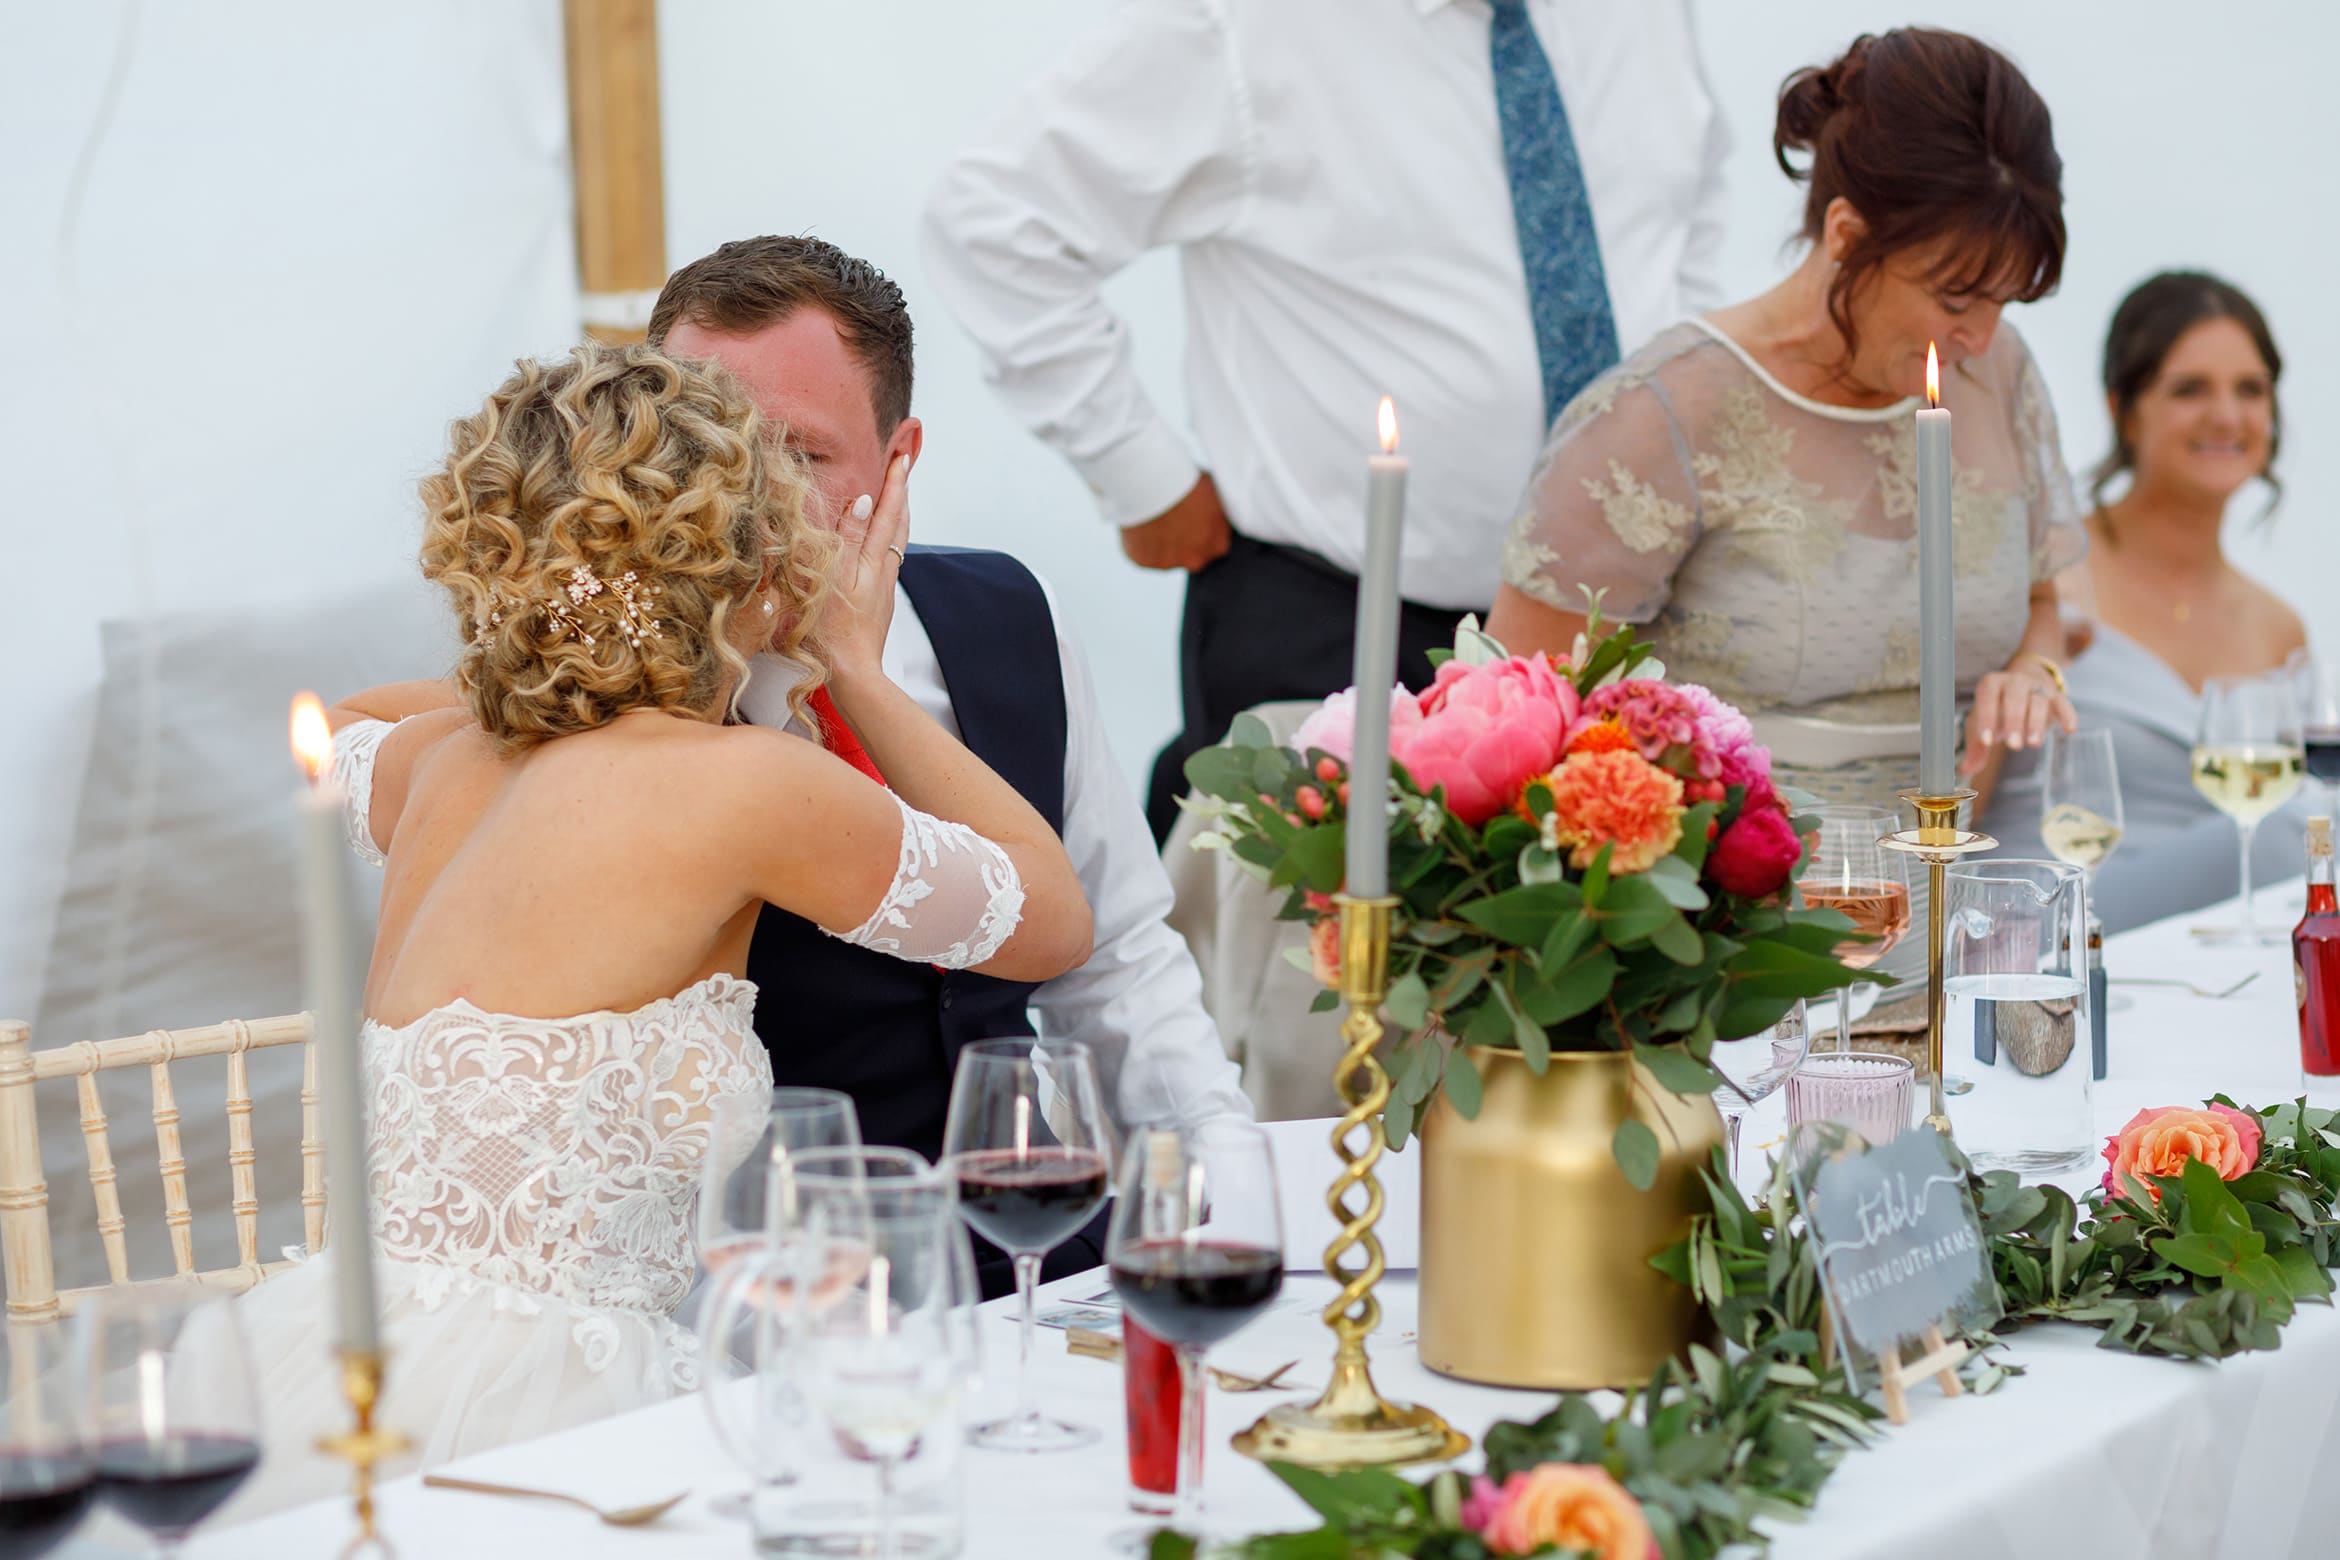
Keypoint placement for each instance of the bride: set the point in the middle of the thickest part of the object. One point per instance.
(575, 858)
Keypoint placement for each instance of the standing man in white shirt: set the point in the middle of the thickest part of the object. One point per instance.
(822, 342)
(1472, 206)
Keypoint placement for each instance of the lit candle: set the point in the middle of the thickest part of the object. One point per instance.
(1937, 620)
(328, 941)
(1374, 672)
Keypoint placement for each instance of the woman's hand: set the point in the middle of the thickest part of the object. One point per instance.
(2012, 709)
(861, 584)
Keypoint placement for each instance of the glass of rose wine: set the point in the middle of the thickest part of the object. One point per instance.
(1851, 873)
(1026, 1138)
(2249, 759)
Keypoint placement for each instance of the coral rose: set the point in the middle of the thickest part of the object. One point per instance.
(1484, 731)
(1572, 1507)
(1620, 800)
(2160, 1141)
(1324, 951)
(1332, 726)
(1753, 857)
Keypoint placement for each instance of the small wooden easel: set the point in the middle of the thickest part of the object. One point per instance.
(1940, 1361)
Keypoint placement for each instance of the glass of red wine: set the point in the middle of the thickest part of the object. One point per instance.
(1026, 1141)
(175, 1413)
(2319, 712)
(48, 1472)
(1197, 1254)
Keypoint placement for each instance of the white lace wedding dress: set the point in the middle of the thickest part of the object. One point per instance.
(534, 1183)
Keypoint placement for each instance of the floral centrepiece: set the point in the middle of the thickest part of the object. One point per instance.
(1585, 857)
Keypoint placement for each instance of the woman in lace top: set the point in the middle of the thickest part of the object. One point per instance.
(575, 857)
(1744, 484)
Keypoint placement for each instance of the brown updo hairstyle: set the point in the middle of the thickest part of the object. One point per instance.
(617, 461)
(2157, 311)
(1929, 135)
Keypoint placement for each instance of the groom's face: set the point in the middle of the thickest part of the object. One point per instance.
(802, 375)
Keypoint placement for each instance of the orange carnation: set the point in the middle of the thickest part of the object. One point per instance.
(1618, 799)
(1572, 1507)
(2160, 1141)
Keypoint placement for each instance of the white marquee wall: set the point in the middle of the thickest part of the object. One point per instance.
(257, 278)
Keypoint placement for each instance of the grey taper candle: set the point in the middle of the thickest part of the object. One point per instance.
(1375, 667)
(1937, 611)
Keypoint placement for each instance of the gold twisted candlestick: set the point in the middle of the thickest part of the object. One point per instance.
(365, 1446)
(1937, 841)
(1351, 1425)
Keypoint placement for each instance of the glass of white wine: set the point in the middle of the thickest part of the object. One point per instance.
(2248, 760)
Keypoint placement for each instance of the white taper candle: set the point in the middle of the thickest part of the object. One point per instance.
(334, 997)
(1374, 671)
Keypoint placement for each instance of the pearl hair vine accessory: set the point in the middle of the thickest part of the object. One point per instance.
(630, 603)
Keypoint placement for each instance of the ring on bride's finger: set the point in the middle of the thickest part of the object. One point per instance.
(900, 557)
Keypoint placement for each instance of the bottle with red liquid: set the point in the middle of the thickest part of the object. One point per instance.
(1150, 1382)
(2315, 959)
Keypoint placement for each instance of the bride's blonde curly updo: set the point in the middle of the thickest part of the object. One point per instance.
(599, 523)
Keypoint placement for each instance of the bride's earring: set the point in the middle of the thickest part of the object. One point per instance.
(767, 606)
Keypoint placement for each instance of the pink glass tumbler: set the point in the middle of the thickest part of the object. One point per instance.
(1865, 1090)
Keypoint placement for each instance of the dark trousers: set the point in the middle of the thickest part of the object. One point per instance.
(1264, 623)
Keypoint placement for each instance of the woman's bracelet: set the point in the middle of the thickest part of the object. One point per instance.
(2055, 672)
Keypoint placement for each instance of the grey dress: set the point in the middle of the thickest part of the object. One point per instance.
(2177, 852)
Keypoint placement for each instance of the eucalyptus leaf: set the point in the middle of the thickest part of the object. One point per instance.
(1636, 1151)
(1408, 1001)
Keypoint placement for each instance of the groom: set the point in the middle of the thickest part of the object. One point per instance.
(822, 342)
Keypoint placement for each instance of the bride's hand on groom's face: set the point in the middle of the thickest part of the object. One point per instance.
(871, 538)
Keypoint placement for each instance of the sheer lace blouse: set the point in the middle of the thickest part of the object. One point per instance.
(1768, 541)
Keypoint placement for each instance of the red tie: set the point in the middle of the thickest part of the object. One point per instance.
(838, 737)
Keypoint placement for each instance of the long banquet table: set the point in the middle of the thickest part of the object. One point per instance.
(2088, 1453)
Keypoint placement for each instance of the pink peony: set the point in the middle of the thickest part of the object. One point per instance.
(1754, 856)
(1332, 727)
(1722, 730)
(2160, 1141)
(1484, 732)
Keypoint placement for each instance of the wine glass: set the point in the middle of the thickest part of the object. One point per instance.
(751, 1134)
(1197, 1254)
(1026, 1142)
(172, 1403)
(1852, 873)
(883, 1361)
(2248, 760)
(1753, 1067)
(47, 1471)
(2318, 685)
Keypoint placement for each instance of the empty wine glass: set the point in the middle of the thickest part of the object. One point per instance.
(1026, 1141)
(1754, 1066)
(1852, 873)
(173, 1405)
(883, 1363)
(47, 1469)
(1197, 1253)
(2248, 760)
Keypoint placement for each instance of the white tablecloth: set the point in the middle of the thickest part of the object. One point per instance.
(2091, 1453)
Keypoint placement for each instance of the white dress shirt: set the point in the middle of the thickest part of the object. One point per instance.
(1137, 1003)
(1333, 174)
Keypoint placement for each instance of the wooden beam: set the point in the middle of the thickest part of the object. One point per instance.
(615, 151)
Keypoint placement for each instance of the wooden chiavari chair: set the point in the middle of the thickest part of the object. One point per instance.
(25, 1241)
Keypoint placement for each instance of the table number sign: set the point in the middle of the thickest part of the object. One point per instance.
(1901, 1255)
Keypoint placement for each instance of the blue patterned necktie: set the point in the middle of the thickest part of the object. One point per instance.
(1568, 293)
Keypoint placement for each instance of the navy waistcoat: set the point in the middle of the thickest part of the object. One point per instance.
(884, 1030)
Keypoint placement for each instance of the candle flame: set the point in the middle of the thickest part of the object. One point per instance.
(312, 739)
(1387, 419)
(1933, 377)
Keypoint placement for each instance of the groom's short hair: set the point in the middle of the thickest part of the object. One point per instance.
(754, 282)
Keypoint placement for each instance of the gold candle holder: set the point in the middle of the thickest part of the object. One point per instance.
(1937, 841)
(365, 1446)
(1352, 1425)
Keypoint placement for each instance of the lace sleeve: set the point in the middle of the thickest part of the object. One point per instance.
(954, 899)
(354, 746)
(1613, 505)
